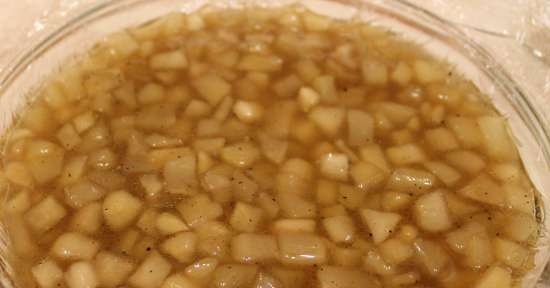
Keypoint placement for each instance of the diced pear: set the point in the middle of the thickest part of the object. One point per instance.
(328, 119)
(395, 251)
(495, 277)
(392, 201)
(367, 176)
(472, 240)
(45, 215)
(151, 272)
(466, 160)
(202, 269)
(168, 223)
(18, 173)
(241, 155)
(335, 166)
(212, 88)
(81, 275)
(248, 111)
(513, 254)
(411, 180)
(380, 224)
(308, 98)
(179, 281)
(520, 227)
(246, 218)
(199, 209)
(234, 276)
(181, 246)
(74, 246)
(44, 160)
(168, 60)
(112, 270)
(151, 184)
(254, 248)
(294, 225)
(406, 154)
(432, 257)
(120, 209)
(273, 149)
(340, 229)
(260, 63)
(372, 153)
(374, 263)
(83, 192)
(88, 219)
(431, 212)
(294, 206)
(447, 174)
(485, 190)
(360, 128)
(341, 277)
(326, 87)
(301, 249)
(441, 139)
(498, 143)
(47, 274)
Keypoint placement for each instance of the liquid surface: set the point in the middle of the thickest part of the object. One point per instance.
(265, 149)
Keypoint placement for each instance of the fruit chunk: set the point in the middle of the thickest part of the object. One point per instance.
(179, 281)
(340, 277)
(112, 270)
(120, 209)
(151, 272)
(202, 269)
(168, 223)
(168, 60)
(328, 119)
(234, 276)
(88, 219)
(44, 160)
(472, 241)
(367, 176)
(74, 246)
(45, 215)
(431, 256)
(513, 254)
(246, 218)
(380, 224)
(241, 155)
(431, 212)
(485, 190)
(360, 128)
(340, 228)
(254, 248)
(335, 166)
(199, 209)
(447, 174)
(495, 277)
(411, 180)
(81, 275)
(395, 251)
(181, 246)
(406, 154)
(212, 88)
(498, 143)
(47, 274)
(301, 249)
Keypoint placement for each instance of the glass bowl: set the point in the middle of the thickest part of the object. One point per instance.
(45, 52)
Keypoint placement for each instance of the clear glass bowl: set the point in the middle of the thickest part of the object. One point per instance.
(44, 53)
